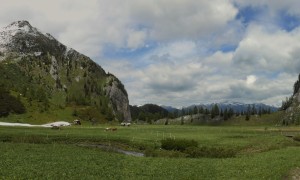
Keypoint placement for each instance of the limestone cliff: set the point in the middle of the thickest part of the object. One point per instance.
(118, 97)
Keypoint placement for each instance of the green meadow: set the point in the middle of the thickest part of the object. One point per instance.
(260, 152)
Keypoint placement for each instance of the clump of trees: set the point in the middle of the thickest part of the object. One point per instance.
(226, 113)
(10, 104)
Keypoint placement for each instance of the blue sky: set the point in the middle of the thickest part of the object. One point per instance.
(174, 52)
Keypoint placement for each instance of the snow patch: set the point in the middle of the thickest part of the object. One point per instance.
(59, 124)
(37, 53)
(49, 36)
(16, 124)
(7, 33)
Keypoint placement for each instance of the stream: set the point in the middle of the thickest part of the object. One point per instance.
(114, 149)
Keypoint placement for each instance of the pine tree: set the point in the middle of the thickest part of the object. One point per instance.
(201, 110)
(260, 111)
(167, 121)
(182, 112)
(248, 113)
(225, 114)
(215, 111)
(247, 118)
(253, 110)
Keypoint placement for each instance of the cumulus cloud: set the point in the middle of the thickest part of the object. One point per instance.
(269, 52)
(169, 19)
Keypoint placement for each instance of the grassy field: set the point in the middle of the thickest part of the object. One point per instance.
(262, 152)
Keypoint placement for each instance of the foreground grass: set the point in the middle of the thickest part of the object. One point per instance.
(57, 161)
(39, 153)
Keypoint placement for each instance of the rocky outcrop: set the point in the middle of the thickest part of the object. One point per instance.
(118, 97)
(291, 107)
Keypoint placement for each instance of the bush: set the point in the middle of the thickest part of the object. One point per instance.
(210, 152)
(296, 138)
(178, 144)
(10, 104)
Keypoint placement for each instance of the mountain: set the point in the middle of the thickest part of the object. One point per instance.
(235, 106)
(148, 112)
(46, 76)
(169, 108)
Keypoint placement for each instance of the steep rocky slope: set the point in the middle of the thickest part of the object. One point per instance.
(291, 106)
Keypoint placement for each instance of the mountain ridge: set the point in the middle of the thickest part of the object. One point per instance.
(237, 106)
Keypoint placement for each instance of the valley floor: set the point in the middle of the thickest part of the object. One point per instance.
(41, 153)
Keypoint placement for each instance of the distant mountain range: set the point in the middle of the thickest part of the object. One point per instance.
(236, 106)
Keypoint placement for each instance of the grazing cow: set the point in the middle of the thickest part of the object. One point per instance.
(125, 124)
(77, 122)
(110, 129)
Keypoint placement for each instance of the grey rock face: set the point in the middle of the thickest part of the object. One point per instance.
(119, 99)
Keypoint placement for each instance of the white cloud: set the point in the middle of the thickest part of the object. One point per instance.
(136, 39)
(269, 52)
(169, 19)
(250, 80)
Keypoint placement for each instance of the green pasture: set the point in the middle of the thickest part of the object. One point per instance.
(262, 152)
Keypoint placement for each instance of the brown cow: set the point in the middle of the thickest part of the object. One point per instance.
(110, 129)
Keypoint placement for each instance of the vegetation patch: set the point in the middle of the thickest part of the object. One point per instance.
(210, 152)
(189, 148)
(296, 138)
(178, 144)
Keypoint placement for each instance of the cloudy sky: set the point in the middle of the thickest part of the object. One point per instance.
(179, 52)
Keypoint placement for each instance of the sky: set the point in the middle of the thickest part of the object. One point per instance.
(179, 52)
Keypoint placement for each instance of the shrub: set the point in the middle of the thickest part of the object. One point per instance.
(177, 144)
(9, 103)
(296, 138)
(210, 152)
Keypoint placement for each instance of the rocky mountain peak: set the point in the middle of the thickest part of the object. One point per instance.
(8, 33)
(21, 37)
(19, 25)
